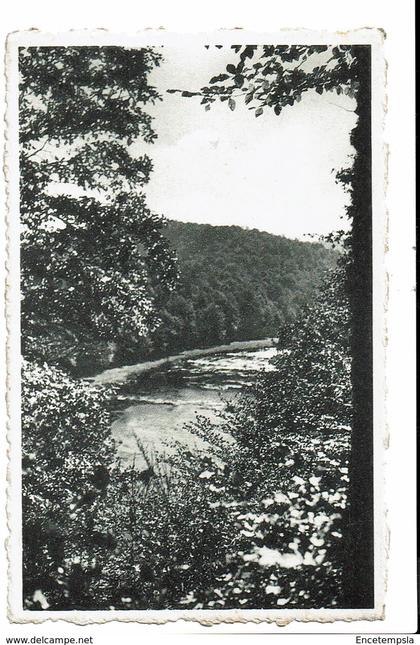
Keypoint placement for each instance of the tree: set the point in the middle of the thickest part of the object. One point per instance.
(211, 324)
(272, 78)
(90, 246)
(91, 256)
(309, 389)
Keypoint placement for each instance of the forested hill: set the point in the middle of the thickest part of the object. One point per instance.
(235, 284)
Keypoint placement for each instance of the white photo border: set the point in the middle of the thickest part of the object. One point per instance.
(372, 37)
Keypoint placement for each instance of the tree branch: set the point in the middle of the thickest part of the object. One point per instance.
(38, 149)
(342, 107)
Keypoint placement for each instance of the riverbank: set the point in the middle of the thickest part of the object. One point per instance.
(120, 374)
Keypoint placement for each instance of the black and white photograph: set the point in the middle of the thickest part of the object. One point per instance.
(196, 232)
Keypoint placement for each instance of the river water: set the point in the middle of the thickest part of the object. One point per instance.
(158, 405)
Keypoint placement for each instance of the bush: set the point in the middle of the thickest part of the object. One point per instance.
(286, 547)
(67, 456)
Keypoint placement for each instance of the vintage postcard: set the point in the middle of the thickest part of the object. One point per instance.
(196, 306)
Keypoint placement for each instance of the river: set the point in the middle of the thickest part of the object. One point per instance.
(155, 407)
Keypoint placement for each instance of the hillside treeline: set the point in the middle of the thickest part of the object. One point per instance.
(234, 284)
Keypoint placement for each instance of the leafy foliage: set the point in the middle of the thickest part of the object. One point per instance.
(276, 76)
(287, 546)
(91, 249)
(259, 521)
(67, 456)
(235, 284)
(170, 539)
(91, 255)
(310, 387)
(285, 478)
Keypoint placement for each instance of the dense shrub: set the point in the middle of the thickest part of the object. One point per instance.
(311, 383)
(286, 549)
(170, 538)
(67, 455)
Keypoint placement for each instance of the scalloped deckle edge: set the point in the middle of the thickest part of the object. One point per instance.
(280, 618)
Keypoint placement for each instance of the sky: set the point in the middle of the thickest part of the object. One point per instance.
(274, 173)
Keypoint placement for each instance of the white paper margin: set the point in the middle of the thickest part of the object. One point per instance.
(373, 37)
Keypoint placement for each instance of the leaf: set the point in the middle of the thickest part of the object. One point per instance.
(231, 69)
(239, 80)
(249, 97)
(219, 78)
(207, 107)
(249, 51)
(259, 112)
(232, 104)
(319, 90)
(277, 109)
